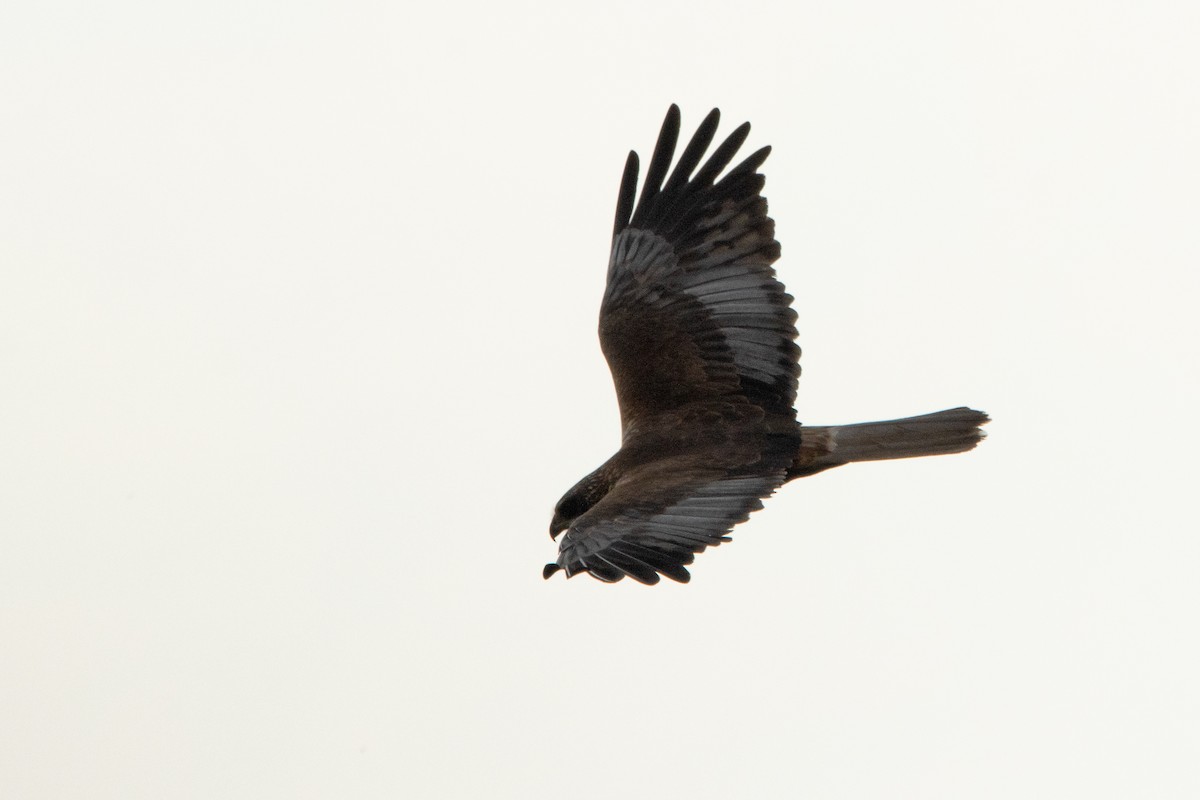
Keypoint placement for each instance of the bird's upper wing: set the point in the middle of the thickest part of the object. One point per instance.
(692, 310)
(659, 515)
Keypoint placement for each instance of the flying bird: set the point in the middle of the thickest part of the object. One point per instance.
(700, 337)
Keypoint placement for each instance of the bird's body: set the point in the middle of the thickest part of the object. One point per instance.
(700, 338)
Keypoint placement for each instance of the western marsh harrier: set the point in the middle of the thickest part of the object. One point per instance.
(700, 338)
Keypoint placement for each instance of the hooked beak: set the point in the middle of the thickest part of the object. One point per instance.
(557, 527)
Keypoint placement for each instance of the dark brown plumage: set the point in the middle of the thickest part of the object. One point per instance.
(700, 338)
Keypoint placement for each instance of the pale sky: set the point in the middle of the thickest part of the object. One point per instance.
(298, 343)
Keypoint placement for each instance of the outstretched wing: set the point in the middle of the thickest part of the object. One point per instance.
(658, 516)
(692, 310)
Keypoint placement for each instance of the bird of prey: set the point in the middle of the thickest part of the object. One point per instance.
(700, 337)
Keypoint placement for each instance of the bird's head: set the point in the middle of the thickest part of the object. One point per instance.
(581, 497)
(572, 504)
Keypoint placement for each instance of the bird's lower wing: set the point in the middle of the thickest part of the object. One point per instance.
(657, 518)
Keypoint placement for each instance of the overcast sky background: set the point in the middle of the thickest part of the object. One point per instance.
(297, 342)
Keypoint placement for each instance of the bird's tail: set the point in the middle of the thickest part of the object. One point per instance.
(954, 430)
